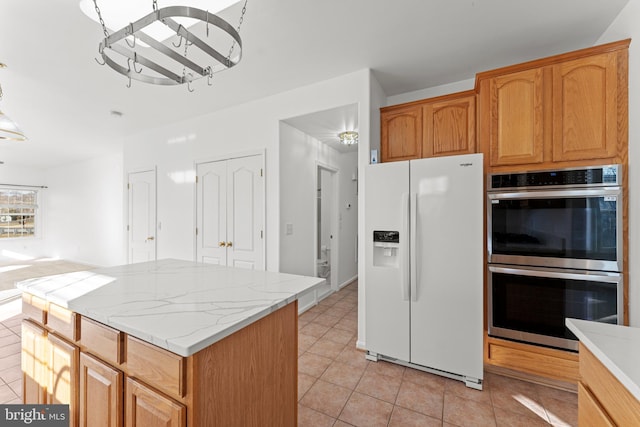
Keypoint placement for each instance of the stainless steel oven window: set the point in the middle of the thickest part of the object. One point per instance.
(612, 278)
(607, 193)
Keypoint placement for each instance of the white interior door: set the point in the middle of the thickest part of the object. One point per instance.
(245, 206)
(142, 216)
(211, 216)
(230, 212)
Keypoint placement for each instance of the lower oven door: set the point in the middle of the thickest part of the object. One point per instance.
(530, 304)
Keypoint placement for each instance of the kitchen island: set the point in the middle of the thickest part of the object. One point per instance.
(164, 343)
(609, 387)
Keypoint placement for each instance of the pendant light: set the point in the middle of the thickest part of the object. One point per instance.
(9, 130)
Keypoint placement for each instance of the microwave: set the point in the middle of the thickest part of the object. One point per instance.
(570, 218)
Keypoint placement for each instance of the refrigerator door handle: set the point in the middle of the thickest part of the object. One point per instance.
(413, 204)
(404, 250)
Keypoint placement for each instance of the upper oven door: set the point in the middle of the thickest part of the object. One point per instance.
(579, 229)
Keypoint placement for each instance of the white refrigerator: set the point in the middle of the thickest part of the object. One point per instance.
(424, 265)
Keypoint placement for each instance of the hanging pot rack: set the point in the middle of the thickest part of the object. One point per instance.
(141, 67)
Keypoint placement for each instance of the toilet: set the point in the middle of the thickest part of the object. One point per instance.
(323, 268)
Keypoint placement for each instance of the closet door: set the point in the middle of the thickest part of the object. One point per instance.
(230, 212)
(245, 203)
(211, 213)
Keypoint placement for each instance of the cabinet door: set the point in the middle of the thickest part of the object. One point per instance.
(148, 408)
(450, 127)
(63, 375)
(401, 137)
(34, 363)
(585, 102)
(590, 413)
(517, 125)
(101, 394)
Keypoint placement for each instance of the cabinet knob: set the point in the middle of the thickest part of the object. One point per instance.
(221, 244)
(229, 244)
(149, 238)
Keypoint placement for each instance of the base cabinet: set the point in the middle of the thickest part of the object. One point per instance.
(62, 387)
(554, 364)
(602, 397)
(101, 393)
(110, 379)
(147, 408)
(34, 363)
(590, 413)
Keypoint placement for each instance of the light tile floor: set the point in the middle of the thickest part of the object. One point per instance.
(338, 387)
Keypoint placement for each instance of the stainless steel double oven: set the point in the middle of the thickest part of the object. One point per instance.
(554, 251)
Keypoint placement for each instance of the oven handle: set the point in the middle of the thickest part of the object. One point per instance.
(555, 194)
(589, 276)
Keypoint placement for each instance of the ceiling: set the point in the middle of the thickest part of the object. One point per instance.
(62, 99)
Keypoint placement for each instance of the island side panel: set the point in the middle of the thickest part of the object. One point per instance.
(249, 378)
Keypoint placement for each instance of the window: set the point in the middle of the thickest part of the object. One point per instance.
(18, 211)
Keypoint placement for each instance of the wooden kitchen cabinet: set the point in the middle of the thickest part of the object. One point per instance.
(449, 125)
(585, 108)
(602, 399)
(101, 393)
(111, 379)
(401, 133)
(34, 363)
(146, 407)
(441, 126)
(62, 365)
(563, 111)
(590, 413)
(516, 118)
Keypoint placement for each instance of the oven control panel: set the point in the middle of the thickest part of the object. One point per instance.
(582, 177)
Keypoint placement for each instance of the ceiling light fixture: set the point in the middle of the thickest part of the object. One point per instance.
(9, 130)
(348, 137)
(172, 45)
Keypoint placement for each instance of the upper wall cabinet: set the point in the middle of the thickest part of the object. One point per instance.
(401, 137)
(585, 108)
(556, 111)
(439, 126)
(515, 120)
(449, 126)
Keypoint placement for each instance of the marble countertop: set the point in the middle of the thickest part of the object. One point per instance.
(178, 305)
(617, 347)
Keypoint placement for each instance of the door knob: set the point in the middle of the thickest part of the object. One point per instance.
(229, 244)
(221, 244)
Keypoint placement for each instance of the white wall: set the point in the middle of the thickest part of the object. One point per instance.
(299, 158)
(432, 91)
(348, 267)
(176, 147)
(30, 247)
(84, 211)
(626, 26)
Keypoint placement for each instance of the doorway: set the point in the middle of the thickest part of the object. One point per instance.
(326, 230)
